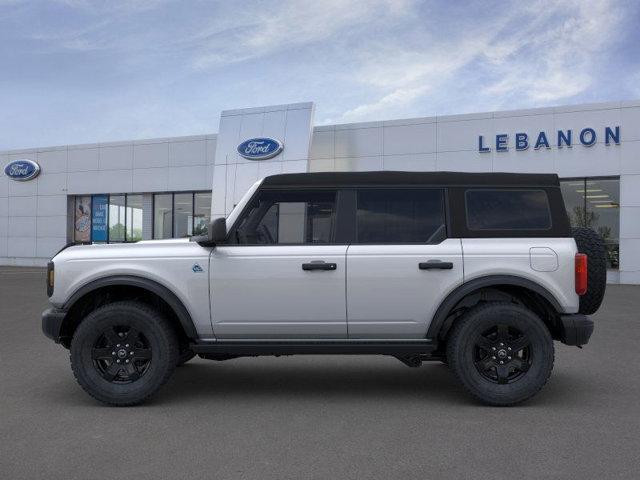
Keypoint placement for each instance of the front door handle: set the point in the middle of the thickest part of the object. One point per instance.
(435, 265)
(319, 266)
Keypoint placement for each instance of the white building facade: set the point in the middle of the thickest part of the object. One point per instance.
(171, 187)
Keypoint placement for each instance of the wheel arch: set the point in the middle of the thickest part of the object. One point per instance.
(511, 285)
(97, 293)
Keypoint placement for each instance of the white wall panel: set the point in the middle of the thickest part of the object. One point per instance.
(188, 178)
(188, 153)
(578, 161)
(630, 156)
(83, 159)
(4, 226)
(420, 138)
(52, 183)
(358, 142)
(463, 135)
(4, 206)
(22, 227)
(52, 226)
(322, 165)
(421, 162)
(105, 181)
(464, 161)
(322, 145)
(51, 205)
(22, 207)
(22, 189)
(52, 161)
(150, 180)
(21, 246)
(297, 136)
(117, 157)
(359, 164)
(629, 222)
(630, 254)
(630, 191)
(630, 124)
(151, 155)
(47, 247)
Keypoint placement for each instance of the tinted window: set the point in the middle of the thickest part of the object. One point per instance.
(508, 210)
(288, 218)
(400, 216)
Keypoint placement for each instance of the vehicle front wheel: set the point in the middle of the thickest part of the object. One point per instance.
(123, 352)
(501, 352)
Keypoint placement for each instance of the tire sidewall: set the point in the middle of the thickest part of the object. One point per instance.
(144, 320)
(477, 321)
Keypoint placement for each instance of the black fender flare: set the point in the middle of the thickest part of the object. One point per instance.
(439, 325)
(184, 317)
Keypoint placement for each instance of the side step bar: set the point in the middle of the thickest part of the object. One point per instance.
(401, 348)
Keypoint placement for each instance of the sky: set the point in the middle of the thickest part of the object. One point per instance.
(80, 71)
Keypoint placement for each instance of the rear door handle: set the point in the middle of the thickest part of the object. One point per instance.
(435, 265)
(319, 266)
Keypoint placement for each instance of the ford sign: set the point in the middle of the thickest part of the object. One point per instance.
(260, 148)
(22, 170)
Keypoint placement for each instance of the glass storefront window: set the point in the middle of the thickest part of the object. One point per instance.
(134, 218)
(182, 215)
(117, 218)
(162, 215)
(201, 212)
(595, 203)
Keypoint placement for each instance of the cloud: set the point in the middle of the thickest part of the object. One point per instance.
(542, 52)
(289, 24)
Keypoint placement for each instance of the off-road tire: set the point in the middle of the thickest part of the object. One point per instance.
(153, 328)
(591, 243)
(462, 349)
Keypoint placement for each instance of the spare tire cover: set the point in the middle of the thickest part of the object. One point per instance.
(590, 243)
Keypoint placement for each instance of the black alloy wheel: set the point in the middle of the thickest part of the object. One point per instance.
(501, 352)
(121, 354)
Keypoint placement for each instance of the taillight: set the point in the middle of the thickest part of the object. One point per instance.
(581, 273)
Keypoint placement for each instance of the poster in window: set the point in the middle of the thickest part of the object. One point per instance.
(99, 208)
(82, 221)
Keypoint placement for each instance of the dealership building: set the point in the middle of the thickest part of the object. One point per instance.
(171, 187)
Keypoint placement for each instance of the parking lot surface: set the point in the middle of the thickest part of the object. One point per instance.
(333, 417)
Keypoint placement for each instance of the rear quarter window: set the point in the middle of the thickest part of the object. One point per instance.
(507, 209)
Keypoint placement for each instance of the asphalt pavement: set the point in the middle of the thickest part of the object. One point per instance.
(319, 417)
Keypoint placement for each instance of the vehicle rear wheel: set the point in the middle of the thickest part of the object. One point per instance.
(123, 352)
(502, 353)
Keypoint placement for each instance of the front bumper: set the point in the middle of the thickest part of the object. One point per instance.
(52, 319)
(576, 329)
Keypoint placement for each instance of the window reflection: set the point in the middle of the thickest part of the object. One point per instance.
(595, 203)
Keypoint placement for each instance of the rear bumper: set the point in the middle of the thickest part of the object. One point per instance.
(52, 319)
(576, 329)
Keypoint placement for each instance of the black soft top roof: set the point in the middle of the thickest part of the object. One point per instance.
(412, 178)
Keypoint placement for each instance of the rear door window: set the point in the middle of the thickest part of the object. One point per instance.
(400, 216)
(507, 209)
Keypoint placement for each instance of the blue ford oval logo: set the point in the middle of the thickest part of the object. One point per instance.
(260, 148)
(22, 170)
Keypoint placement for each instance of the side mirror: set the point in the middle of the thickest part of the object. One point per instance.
(218, 231)
(216, 234)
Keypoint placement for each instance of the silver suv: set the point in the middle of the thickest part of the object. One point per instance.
(480, 271)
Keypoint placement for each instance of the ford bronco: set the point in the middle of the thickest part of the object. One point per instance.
(480, 271)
